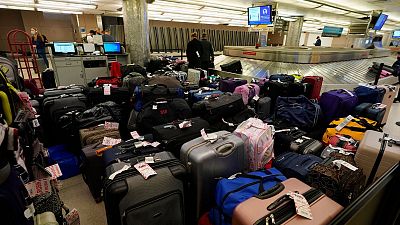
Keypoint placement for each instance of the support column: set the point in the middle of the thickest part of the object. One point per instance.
(294, 32)
(136, 25)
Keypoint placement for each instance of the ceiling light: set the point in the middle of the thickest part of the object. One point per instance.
(289, 19)
(237, 25)
(176, 5)
(58, 11)
(179, 16)
(326, 8)
(185, 21)
(229, 11)
(355, 15)
(16, 7)
(65, 5)
(160, 19)
(208, 22)
(305, 4)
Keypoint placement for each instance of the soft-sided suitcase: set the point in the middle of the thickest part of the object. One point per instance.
(57, 106)
(119, 95)
(337, 103)
(130, 199)
(72, 89)
(292, 164)
(207, 160)
(234, 190)
(234, 66)
(48, 79)
(284, 138)
(316, 82)
(248, 91)
(92, 169)
(375, 155)
(390, 94)
(230, 123)
(172, 137)
(369, 94)
(306, 145)
(201, 94)
(146, 93)
(68, 162)
(375, 112)
(282, 78)
(95, 134)
(275, 89)
(229, 84)
(271, 207)
(262, 107)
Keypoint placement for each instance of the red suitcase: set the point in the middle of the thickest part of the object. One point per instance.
(316, 82)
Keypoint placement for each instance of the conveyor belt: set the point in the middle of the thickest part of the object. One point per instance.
(345, 72)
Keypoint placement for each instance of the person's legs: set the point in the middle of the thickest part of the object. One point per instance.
(42, 54)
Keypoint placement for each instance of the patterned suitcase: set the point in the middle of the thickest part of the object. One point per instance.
(207, 160)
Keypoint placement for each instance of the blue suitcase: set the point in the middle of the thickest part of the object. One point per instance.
(294, 165)
(68, 162)
(201, 94)
(369, 94)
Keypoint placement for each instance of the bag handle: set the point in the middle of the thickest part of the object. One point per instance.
(261, 179)
(278, 188)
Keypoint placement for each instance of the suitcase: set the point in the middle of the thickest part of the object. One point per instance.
(146, 93)
(270, 209)
(201, 94)
(282, 78)
(48, 79)
(337, 103)
(284, 138)
(206, 161)
(101, 81)
(132, 80)
(292, 164)
(306, 145)
(72, 89)
(169, 82)
(130, 199)
(95, 134)
(230, 123)
(376, 157)
(316, 82)
(57, 106)
(234, 66)
(229, 84)
(92, 169)
(172, 137)
(248, 91)
(371, 111)
(262, 107)
(390, 94)
(68, 162)
(369, 94)
(128, 150)
(275, 89)
(120, 95)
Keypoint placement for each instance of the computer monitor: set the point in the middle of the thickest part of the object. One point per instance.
(112, 47)
(98, 39)
(260, 15)
(396, 34)
(89, 47)
(380, 22)
(64, 48)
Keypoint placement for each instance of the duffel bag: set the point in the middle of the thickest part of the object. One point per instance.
(355, 129)
(169, 82)
(369, 94)
(248, 91)
(297, 111)
(338, 177)
(371, 111)
(234, 190)
(107, 111)
(147, 93)
(294, 165)
(258, 142)
(100, 81)
(132, 80)
(337, 103)
(282, 78)
(229, 84)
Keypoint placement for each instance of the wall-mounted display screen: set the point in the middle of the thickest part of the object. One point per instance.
(64, 47)
(332, 31)
(112, 47)
(260, 15)
(396, 34)
(380, 22)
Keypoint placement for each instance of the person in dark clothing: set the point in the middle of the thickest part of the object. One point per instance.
(318, 42)
(107, 37)
(194, 52)
(39, 40)
(207, 57)
(396, 73)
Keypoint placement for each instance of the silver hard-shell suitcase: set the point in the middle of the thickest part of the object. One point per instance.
(206, 161)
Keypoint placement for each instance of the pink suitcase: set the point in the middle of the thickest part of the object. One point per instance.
(390, 94)
(370, 153)
(248, 91)
(256, 211)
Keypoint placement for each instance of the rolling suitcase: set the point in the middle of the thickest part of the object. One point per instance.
(229, 84)
(201, 94)
(316, 83)
(172, 137)
(262, 106)
(375, 112)
(207, 160)
(390, 94)
(131, 199)
(376, 154)
(72, 89)
(271, 207)
(57, 106)
(284, 138)
(305, 145)
(295, 165)
(97, 95)
(337, 103)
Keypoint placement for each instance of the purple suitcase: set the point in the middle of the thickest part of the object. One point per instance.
(337, 104)
(229, 85)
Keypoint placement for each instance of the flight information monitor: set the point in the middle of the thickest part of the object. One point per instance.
(260, 15)
(332, 31)
(396, 34)
(380, 22)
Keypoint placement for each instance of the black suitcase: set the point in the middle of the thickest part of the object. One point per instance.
(120, 95)
(232, 67)
(72, 89)
(130, 199)
(232, 122)
(262, 107)
(48, 79)
(55, 107)
(284, 137)
(370, 111)
(274, 89)
(306, 145)
(128, 150)
(172, 137)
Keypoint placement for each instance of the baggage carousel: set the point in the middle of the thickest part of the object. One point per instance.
(344, 74)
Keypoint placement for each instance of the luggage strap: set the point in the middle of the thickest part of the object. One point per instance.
(378, 159)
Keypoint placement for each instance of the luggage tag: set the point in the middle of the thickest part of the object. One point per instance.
(229, 124)
(107, 141)
(208, 137)
(302, 207)
(107, 89)
(145, 170)
(113, 175)
(39, 187)
(111, 125)
(29, 211)
(35, 123)
(72, 218)
(344, 123)
(256, 98)
(135, 135)
(185, 124)
(339, 164)
(54, 170)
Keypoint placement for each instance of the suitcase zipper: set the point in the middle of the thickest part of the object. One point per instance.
(288, 210)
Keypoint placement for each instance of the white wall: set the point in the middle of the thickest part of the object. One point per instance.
(302, 39)
(312, 37)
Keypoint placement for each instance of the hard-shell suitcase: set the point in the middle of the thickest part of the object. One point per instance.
(262, 107)
(292, 164)
(337, 103)
(92, 169)
(68, 162)
(390, 94)
(371, 111)
(248, 91)
(207, 160)
(375, 155)
(316, 82)
(129, 199)
(172, 137)
(271, 208)
(229, 84)
(55, 107)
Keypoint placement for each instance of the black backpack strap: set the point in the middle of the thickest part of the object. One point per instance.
(378, 159)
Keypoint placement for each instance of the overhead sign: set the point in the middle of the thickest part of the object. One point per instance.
(332, 31)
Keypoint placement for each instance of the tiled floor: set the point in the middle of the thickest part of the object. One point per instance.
(76, 194)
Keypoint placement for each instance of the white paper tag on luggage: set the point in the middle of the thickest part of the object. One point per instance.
(107, 141)
(302, 207)
(380, 106)
(145, 170)
(185, 124)
(111, 125)
(344, 123)
(256, 98)
(113, 175)
(54, 170)
(154, 107)
(38, 187)
(72, 218)
(35, 123)
(135, 135)
(208, 137)
(229, 123)
(107, 89)
(139, 144)
(29, 211)
(339, 163)
(149, 160)
(155, 144)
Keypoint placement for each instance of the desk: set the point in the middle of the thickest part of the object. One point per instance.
(123, 59)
